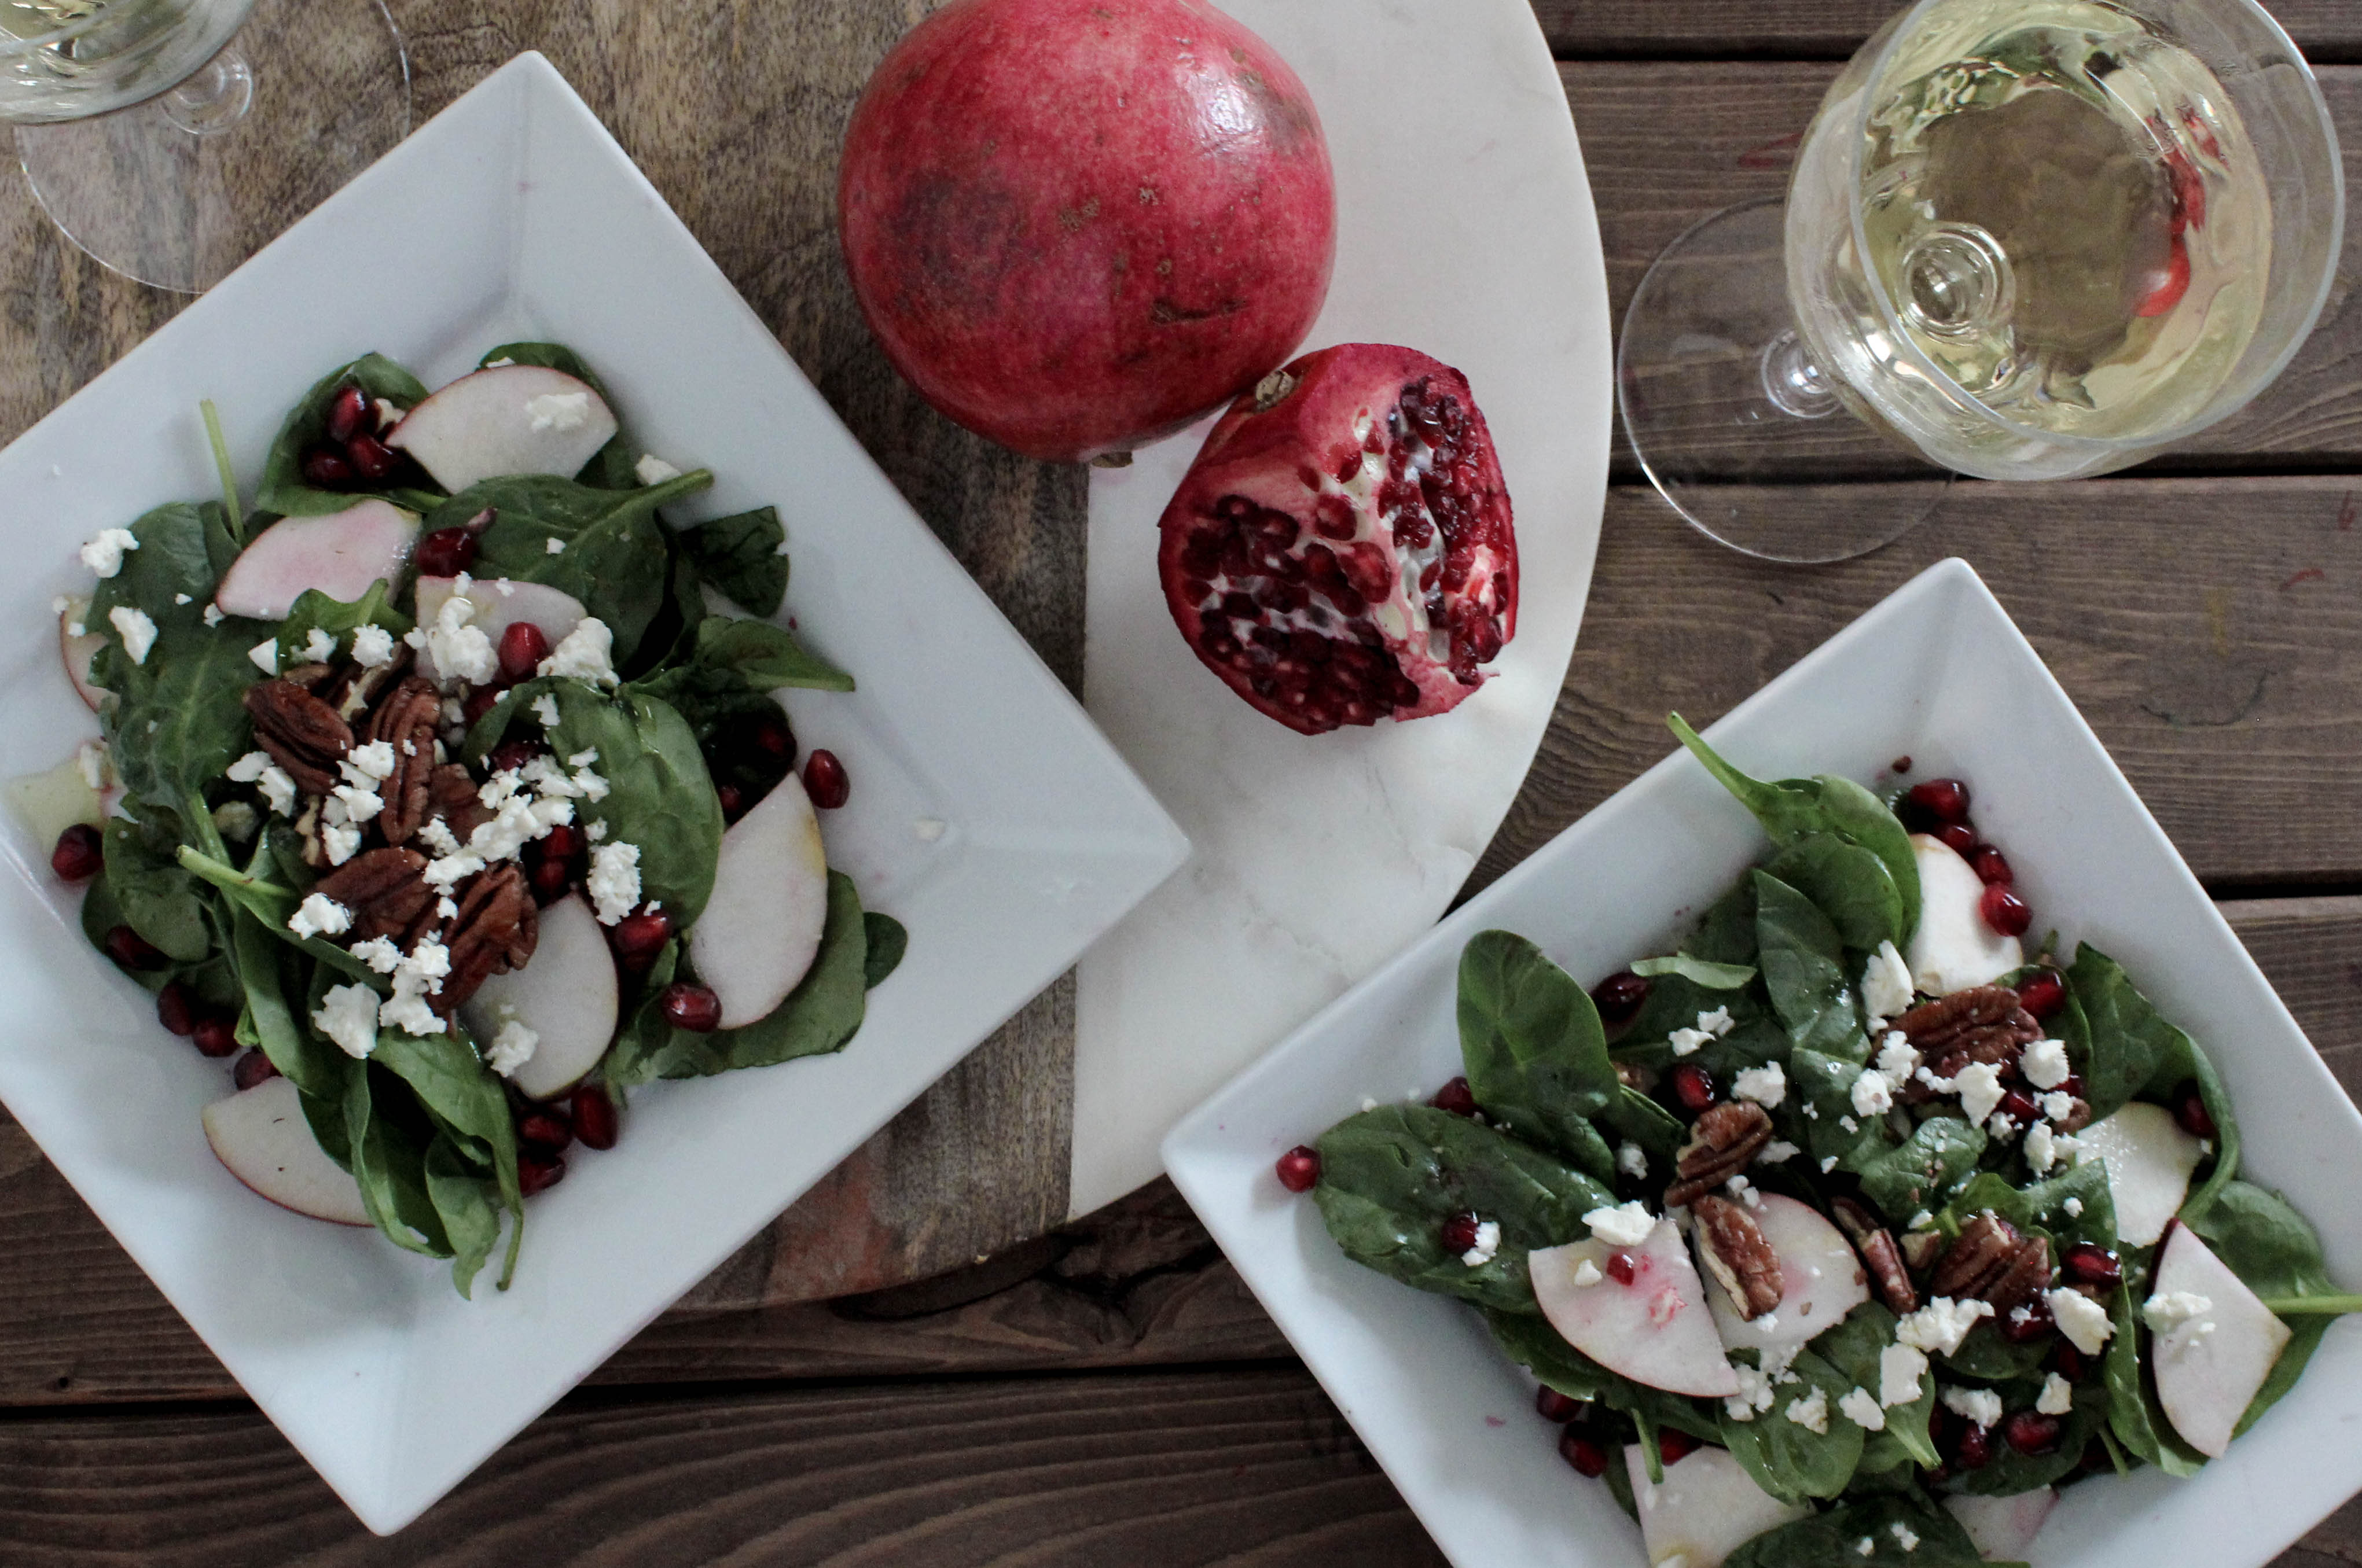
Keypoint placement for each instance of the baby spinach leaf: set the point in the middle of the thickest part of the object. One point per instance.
(744, 555)
(1618, 1479)
(1701, 973)
(463, 1203)
(658, 795)
(2043, 1205)
(184, 546)
(390, 1169)
(1528, 1340)
(1833, 1130)
(283, 488)
(1658, 1132)
(1789, 1460)
(2135, 1417)
(270, 972)
(270, 905)
(765, 656)
(2178, 1066)
(1855, 1348)
(1916, 1173)
(1726, 932)
(2010, 1472)
(612, 466)
(158, 898)
(180, 718)
(314, 609)
(1390, 1176)
(1849, 884)
(1835, 1538)
(2127, 1037)
(1652, 1411)
(1536, 1057)
(1804, 971)
(888, 941)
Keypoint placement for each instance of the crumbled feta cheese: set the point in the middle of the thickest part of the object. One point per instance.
(264, 655)
(1848, 1124)
(1586, 1274)
(1940, 1085)
(1811, 1412)
(1863, 1410)
(2083, 1321)
(347, 1015)
(512, 1046)
(614, 888)
(214, 616)
(1755, 1393)
(423, 970)
(2057, 1395)
(248, 768)
(1625, 1225)
(1939, 1327)
(1488, 1242)
(2040, 1148)
(436, 835)
(368, 764)
(1779, 1151)
(585, 654)
(1904, 1536)
(559, 411)
(409, 1014)
(138, 632)
(654, 470)
(320, 916)
(1896, 1057)
(1874, 1094)
(2169, 1310)
(1978, 1407)
(545, 709)
(1866, 1547)
(2044, 1064)
(1900, 1368)
(2074, 1207)
(2001, 1127)
(237, 820)
(361, 805)
(183, 599)
(554, 546)
(1684, 1041)
(388, 414)
(2058, 1105)
(1632, 1160)
(1828, 1164)
(1716, 1023)
(446, 871)
(1920, 1221)
(1766, 1085)
(1980, 1089)
(459, 650)
(1739, 1188)
(277, 789)
(340, 840)
(319, 647)
(1885, 983)
(372, 646)
(583, 758)
(596, 832)
(379, 952)
(103, 554)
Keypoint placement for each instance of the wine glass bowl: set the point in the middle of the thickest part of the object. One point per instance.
(67, 59)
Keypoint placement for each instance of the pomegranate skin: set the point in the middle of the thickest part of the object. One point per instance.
(1079, 225)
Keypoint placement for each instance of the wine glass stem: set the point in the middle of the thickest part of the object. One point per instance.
(1794, 382)
(215, 97)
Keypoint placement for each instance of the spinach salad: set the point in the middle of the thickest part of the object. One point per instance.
(451, 794)
(1845, 1233)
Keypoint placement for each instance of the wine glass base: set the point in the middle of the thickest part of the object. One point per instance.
(1735, 424)
(178, 190)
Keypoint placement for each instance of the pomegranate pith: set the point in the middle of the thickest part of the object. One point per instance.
(1342, 549)
(1299, 1168)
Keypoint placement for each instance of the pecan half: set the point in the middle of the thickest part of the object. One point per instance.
(1977, 1255)
(493, 933)
(1880, 1255)
(406, 720)
(1736, 1253)
(302, 733)
(455, 798)
(1920, 1248)
(352, 688)
(384, 889)
(2028, 1272)
(1998, 1045)
(2078, 1117)
(1934, 1027)
(1722, 1140)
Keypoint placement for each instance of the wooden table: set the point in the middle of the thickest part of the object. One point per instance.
(1108, 1393)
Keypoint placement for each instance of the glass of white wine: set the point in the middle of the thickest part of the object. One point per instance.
(2024, 239)
(172, 138)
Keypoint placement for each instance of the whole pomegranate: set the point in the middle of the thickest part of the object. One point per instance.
(1341, 549)
(1079, 225)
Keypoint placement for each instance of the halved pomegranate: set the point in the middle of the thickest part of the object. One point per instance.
(1341, 549)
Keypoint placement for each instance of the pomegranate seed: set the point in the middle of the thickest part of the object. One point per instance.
(1675, 1446)
(2031, 1432)
(2043, 994)
(825, 780)
(1557, 1406)
(638, 938)
(132, 950)
(2073, 1086)
(176, 1009)
(446, 553)
(1460, 1233)
(1957, 837)
(692, 1007)
(1588, 1455)
(1901, 764)
(1939, 800)
(732, 800)
(1990, 865)
(1619, 997)
(1455, 1097)
(550, 878)
(1693, 1086)
(325, 469)
(2026, 1330)
(596, 1124)
(2190, 1110)
(216, 1036)
(2019, 1107)
(1620, 1267)
(770, 736)
(347, 410)
(80, 854)
(251, 1070)
(510, 754)
(2090, 1264)
(2005, 911)
(539, 1175)
(2069, 1362)
(477, 703)
(372, 459)
(1299, 1168)
(1974, 1451)
(522, 648)
(563, 842)
(546, 1128)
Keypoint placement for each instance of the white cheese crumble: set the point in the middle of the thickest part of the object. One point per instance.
(1872, 1093)
(214, 616)
(365, 766)
(2044, 1064)
(1863, 1410)
(1684, 1041)
(1779, 1151)
(265, 655)
(458, 649)
(559, 411)
(103, 554)
(1978, 1407)
(372, 646)
(614, 887)
(2166, 1311)
(1811, 1412)
(1865, 1547)
(1631, 1160)
(183, 599)
(1488, 1242)
(1939, 1327)
(388, 414)
(512, 1046)
(320, 916)
(1755, 1393)
(545, 709)
(318, 646)
(2083, 1321)
(2058, 1396)
(1828, 1164)
(1897, 1058)
(654, 470)
(1904, 1536)
(138, 632)
(2040, 1148)
(1980, 1089)
(585, 654)
(277, 789)
(379, 952)
(595, 832)
(347, 1015)
(554, 546)
(1586, 1274)
(1885, 983)
(2074, 1207)
(1716, 1023)
(1900, 1368)
(436, 835)
(1766, 1085)
(1920, 1221)
(2058, 1105)
(1625, 1225)
(248, 768)
(408, 1014)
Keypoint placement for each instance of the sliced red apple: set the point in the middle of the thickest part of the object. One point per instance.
(1642, 1314)
(499, 602)
(76, 649)
(2003, 1529)
(261, 1135)
(1954, 948)
(2150, 1161)
(2210, 1363)
(566, 994)
(1706, 1508)
(1820, 1273)
(762, 924)
(340, 553)
(515, 419)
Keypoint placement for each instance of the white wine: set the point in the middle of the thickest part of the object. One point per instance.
(62, 60)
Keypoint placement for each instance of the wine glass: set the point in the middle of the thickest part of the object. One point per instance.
(172, 138)
(2024, 239)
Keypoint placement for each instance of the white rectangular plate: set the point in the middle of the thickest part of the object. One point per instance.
(514, 215)
(1937, 673)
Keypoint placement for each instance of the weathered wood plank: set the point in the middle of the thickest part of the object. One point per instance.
(2312, 950)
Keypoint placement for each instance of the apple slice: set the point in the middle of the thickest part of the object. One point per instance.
(77, 648)
(340, 553)
(762, 924)
(2001, 1528)
(50, 803)
(566, 994)
(2150, 1161)
(1821, 1275)
(1706, 1508)
(516, 419)
(2209, 1364)
(261, 1135)
(1954, 948)
(1643, 1314)
(501, 602)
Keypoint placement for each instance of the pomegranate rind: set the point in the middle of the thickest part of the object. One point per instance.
(1313, 487)
(1079, 225)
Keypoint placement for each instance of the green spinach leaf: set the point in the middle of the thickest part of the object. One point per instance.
(1836, 1537)
(1804, 971)
(765, 656)
(185, 547)
(1701, 973)
(464, 1203)
(390, 1166)
(1536, 1058)
(1849, 884)
(1856, 1348)
(1917, 1173)
(1789, 1460)
(887, 940)
(659, 794)
(744, 555)
(158, 898)
(314, 609)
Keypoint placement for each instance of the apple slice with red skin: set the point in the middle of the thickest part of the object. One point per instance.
(76, 649)
(340, 553)
(500, 603)
(566, 993)
(1821, 1279)
(261, 1137)
(2209, 1366)
(486, 425)
(2003, 1529)
(1644, 1317)
(1953, 948)
(1706, 1508)
(763, 921)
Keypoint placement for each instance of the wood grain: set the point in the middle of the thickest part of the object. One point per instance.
(1770, 29)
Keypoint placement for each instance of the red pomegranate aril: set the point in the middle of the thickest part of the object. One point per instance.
(2043, 994)
(176, 1009)
(80, 853)
(1460, 1233)
(522, 648)
(551, 877)
(563, 842)
(2069, 1361)
(1455, 1097)
(1957, 837)
(1974, 1449)
(477, 703)
(2190, 1110)
(447, 552)
(1901, 764)
(325, 469)
(510, 754)
(346, 411)
(2032, 1432)
(1299, 1168)
(2074, 1086)
(638, 938)
(536, 1175)
(1693, 1086)
(252, 1068)
(732, 800)
(825, 780)
(2087, 1263)
(2005, 911)
(132, 950)
(2019, 1107)
(770, 736)
(546, 1128)
(1939, 800)
(215, 1035)
(596, 1119)
(692, 1007)
(1557, 1406)
(2035, 1322)
(1587, 1455)
(1990, 865)
(1621, 1269)
(371, 458)
(1619, 997)
(1675, 1446)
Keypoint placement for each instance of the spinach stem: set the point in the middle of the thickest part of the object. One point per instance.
(2312, 1305)
(221, 462)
